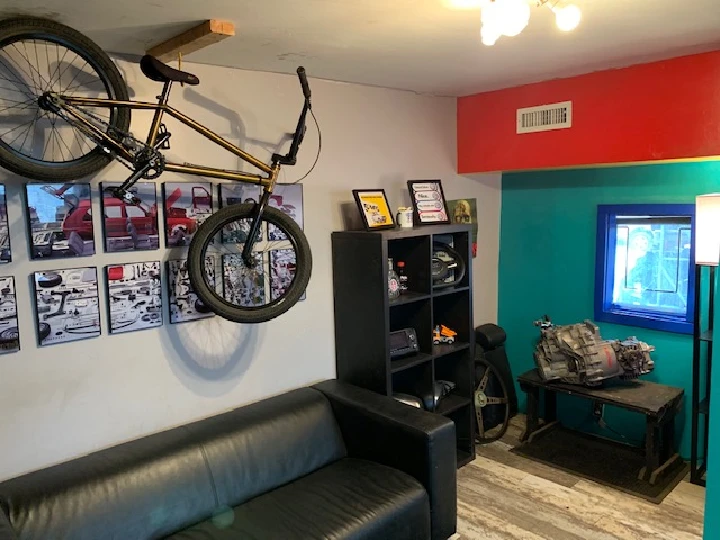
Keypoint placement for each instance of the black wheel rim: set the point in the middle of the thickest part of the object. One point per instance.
(491, 398)
(16, 77)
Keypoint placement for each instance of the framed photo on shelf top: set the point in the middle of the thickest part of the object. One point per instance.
(374, 209)
(428, 202)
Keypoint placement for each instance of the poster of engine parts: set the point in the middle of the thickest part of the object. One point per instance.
(134, 296)
(130, 226)
(243, 286)
(237, 193)
(187, 206)
(5, 256)
(282, 272)
(287, 198)
(66, 303)
(9, 334)
(60, 220)
(184, 303)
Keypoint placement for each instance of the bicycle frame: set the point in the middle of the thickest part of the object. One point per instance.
(161, 108)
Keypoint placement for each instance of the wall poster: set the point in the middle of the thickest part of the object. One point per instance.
(130, 227)
(187, 206)
(9, 333)
(60, 220)
(134, 296)
(243, 286)
(184, 304)
(287, 198)
(238, 193)
(5, 255)
(282, 272)
(465, 211)
(66, 303)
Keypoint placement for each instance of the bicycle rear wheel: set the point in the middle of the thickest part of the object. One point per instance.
(249, 295)
(38, 56)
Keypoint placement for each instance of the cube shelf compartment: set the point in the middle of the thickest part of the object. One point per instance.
(364, 318)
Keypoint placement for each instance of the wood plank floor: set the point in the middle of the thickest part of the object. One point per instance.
(502, 496)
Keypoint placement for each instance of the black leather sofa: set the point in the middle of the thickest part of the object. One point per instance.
(326, 461)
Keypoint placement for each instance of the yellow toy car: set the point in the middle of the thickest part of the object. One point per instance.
(443, 334)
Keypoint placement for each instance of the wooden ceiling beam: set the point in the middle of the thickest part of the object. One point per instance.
(190, 41)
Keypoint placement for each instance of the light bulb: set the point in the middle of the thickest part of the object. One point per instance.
(567, 18)
(503, 18)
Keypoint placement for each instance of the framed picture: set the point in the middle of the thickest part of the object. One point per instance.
(5, 255)
(130, 227)
(59, 220)
(134, 296)
(282, 272)
(9, 333)
(428, 201)
(237, 193)
(187, 206)
(66, 305)
(243, 286)
(374, 208)
(287, 198)
(465, 211)
(185, 306)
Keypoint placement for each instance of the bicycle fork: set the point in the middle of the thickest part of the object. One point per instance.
(247, 252)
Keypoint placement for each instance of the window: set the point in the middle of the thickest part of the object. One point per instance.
(134, 212)
(644, 266)
(113, 212)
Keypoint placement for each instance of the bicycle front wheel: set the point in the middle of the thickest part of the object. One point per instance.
(267, 289)
(39, 56)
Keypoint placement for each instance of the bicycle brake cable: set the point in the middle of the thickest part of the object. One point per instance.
(317, 157)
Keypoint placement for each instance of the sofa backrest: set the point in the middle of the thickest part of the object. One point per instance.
(165, 482)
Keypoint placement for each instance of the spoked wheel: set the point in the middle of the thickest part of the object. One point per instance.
(492, 408)
(275, 283)
(39, 56)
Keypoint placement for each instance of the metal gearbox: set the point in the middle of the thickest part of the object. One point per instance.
(577, 354)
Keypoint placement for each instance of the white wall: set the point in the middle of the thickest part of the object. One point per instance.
(65, 400)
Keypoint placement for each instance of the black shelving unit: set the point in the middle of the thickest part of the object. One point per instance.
(702, 368)
(364, 318)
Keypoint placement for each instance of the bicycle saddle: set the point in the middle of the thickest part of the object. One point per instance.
(155, 70)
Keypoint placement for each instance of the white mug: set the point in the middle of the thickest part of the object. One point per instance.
(405, 217)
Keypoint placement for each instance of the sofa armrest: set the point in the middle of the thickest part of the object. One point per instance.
(422, 444)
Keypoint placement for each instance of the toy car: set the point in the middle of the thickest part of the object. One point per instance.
(443, 334)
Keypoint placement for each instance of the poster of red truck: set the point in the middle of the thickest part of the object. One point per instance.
(60, 220)
(187, 206)
(130, 227)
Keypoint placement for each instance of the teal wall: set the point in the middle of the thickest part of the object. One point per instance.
(547, 266)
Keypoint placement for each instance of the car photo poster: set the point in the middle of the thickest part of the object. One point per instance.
(287, 198)
(187, 206)
(237, 193)
(60, 220)
(134, 296)
(243, 286)
(5, 255)
(185, 305)
(128, 226)
(9, 334)
(66, 304)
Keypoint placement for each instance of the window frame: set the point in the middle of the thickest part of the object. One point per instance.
(605, 259)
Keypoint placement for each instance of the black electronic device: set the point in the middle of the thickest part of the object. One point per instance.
(403, 343)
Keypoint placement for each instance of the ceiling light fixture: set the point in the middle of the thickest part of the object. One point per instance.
(510, 17)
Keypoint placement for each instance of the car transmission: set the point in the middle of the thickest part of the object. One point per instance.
(577, 354)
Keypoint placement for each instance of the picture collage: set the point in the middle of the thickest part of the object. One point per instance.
(60, 225)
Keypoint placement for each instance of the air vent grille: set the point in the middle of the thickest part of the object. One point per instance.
(544, 117)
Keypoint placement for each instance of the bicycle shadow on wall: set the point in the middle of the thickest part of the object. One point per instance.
(210, 350)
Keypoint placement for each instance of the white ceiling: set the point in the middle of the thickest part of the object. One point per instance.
(417, 45)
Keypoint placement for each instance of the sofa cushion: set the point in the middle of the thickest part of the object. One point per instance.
(257, 448)
(350, 499)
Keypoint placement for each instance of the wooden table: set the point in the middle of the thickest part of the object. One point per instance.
(659, 404)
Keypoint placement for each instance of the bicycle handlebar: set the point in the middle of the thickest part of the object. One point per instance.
(304, 82)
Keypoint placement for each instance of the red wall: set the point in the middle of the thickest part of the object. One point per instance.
(657, 111)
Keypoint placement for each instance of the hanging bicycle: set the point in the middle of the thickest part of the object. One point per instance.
(65, 114)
